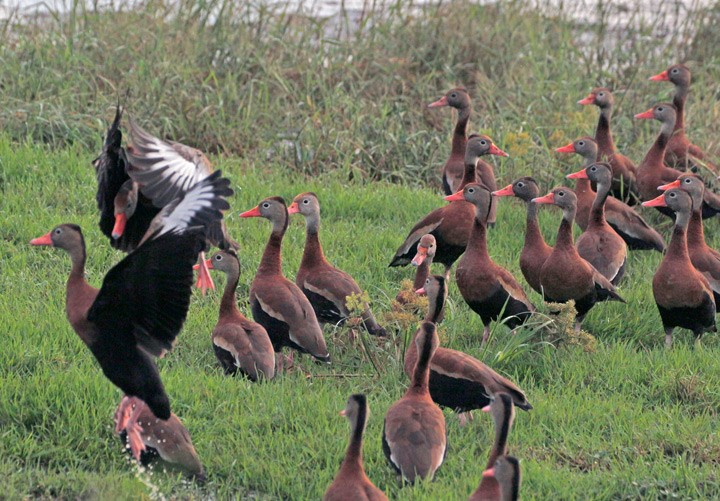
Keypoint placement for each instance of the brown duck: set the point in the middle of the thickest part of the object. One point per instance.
(451, 224)
(241, 345)
(414, 439)
(565, 275)
(351, 482)
(144, 299)
(457, 380)
(535, 251)
(506, 472)
(503, 413)
(681, 153)
(704, 258)
(623, 169)
(632, 228)
(277, 303)
(489, 289)
(682, 294)
(600, 245)
(326, 287)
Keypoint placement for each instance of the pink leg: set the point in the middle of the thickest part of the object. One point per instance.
(122, 413)
(130, 409)
(204, 281)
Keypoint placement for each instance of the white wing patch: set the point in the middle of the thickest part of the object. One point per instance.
(340, 306)
(227, 346)
(177, 217)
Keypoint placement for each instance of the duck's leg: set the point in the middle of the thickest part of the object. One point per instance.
(204, 281)
(126, 418)
(668, 337)
(465, 418)
(486, 335)
(279, 362)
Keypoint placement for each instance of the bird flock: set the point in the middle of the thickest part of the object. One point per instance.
(162, 203)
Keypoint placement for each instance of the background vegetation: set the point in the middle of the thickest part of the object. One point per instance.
(288, 104)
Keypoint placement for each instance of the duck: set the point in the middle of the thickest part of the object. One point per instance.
(682, 294)
(164, 170)
(125, 213)
(623, 169)
(453, 171)
(704, 258)
(451, 224)
(632, 228)
(351, 482)
(502, 411)
(141, 307)
(489, 289)
(506, 472)
(681, 153)
(565, 275)
(278, 304)
(422, 261)
(414, 438)
(241, 345)
(600, 245)
(167, 439)
(326, 287)
(653, 172)
(535, 250)
(458, 381)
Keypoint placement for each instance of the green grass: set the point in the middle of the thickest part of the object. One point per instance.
(292, 109)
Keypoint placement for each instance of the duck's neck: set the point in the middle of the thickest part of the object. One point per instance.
(597, 212)
(696, 232)
(681, 93)
(460, 135)
(477, 243)
(421, 274)
(533, 236)
(228, 304)
(313, 253)
(502, 430)
(436, 309)
(469, 175)
(603, 136)
(678, 249)
(353, 455)
(565, 233)
(271, 262)
(421, 373)
(656, 155)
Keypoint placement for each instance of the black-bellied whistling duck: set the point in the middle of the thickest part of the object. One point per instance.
(125, 214)
(490, 290)
(351, 482)
(631, 227)
(565, 275)
(451, 224)
(454, 169)
(144, 299)
(681, 153)
(704, 258)
(239, 343)
(653, 172)
(503, 414)
(623, 169)
(326, 287)
(457, 380)
(167, 439)
(535, 251)
(278, 304)
(682, 294)
(423, 259)
(414, 439)
(506, 473)
(164, 170)
(600, 245)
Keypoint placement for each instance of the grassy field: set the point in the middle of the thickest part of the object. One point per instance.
(628, 420)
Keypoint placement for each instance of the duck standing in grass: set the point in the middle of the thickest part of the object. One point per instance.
(144, 299)
(682, 294)
(326, 287)
(489, 289)
(240, 344)
(351, 482)
(277, 303)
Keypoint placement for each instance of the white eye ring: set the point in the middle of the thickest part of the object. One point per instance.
(266, 205)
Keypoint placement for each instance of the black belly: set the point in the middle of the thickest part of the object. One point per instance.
(698, 319)
(516, 312)
(325, 310)
(460, 395)
(278, 331)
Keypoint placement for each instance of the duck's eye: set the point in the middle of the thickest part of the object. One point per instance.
(453, 95)
(266, 205)
(58, 231)
(674, 71)
(427, 280)
(672, 195)
(688, 180)
(581, 143)
(520, 184)
(601, 94)
(218, 257)
(483, 142)
(471, 190)
(661, 108)
(306, 201)
(593, 169)
(561, 193)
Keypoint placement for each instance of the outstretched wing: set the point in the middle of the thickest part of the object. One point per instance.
(164, 170)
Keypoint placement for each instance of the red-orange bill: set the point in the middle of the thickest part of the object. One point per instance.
(43, 240)
(252, 212)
